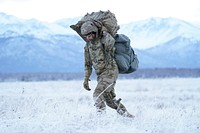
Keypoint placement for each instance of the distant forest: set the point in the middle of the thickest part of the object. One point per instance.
(140, 73)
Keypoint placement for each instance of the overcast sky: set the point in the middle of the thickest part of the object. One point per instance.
(125, 10)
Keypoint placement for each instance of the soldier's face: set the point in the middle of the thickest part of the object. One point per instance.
(90, 36)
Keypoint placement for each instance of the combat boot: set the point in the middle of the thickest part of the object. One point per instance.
(121, 109)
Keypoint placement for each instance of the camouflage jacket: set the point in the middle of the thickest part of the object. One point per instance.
(99, 55)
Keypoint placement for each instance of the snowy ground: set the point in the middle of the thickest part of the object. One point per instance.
(160, 106)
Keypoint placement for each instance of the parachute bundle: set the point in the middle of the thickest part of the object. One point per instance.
(103, 20)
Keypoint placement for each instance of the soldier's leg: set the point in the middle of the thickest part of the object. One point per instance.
(105, 80)
(99, 99)
(116, 104)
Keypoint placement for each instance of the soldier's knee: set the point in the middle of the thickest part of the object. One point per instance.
(110, 100)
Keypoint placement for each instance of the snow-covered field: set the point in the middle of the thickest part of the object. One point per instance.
(170, 105)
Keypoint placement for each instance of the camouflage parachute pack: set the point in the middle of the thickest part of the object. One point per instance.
(103, 20)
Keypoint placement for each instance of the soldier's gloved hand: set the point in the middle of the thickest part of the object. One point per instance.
(86, 84)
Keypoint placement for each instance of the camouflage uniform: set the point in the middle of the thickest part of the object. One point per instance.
(98, 54)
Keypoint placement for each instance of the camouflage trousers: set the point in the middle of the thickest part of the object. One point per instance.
(104, 93)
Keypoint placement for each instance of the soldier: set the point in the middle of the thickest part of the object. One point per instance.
(98, 53)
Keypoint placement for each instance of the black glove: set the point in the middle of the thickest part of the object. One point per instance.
(86, 84)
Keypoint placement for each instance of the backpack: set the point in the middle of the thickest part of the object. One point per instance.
(104, 20)
(125, 56)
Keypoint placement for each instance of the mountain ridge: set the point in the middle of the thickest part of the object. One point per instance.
(35, 46)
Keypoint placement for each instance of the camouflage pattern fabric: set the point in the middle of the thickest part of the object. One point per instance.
(106, 70)
(104, 20)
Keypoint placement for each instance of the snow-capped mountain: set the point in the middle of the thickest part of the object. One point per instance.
(156, 31)
(12, 26)
(179, 52)
(35, 46)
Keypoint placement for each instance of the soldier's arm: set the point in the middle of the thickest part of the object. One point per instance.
(108, 41)
(88, 64)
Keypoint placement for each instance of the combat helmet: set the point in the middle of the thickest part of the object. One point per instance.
(88, 27)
